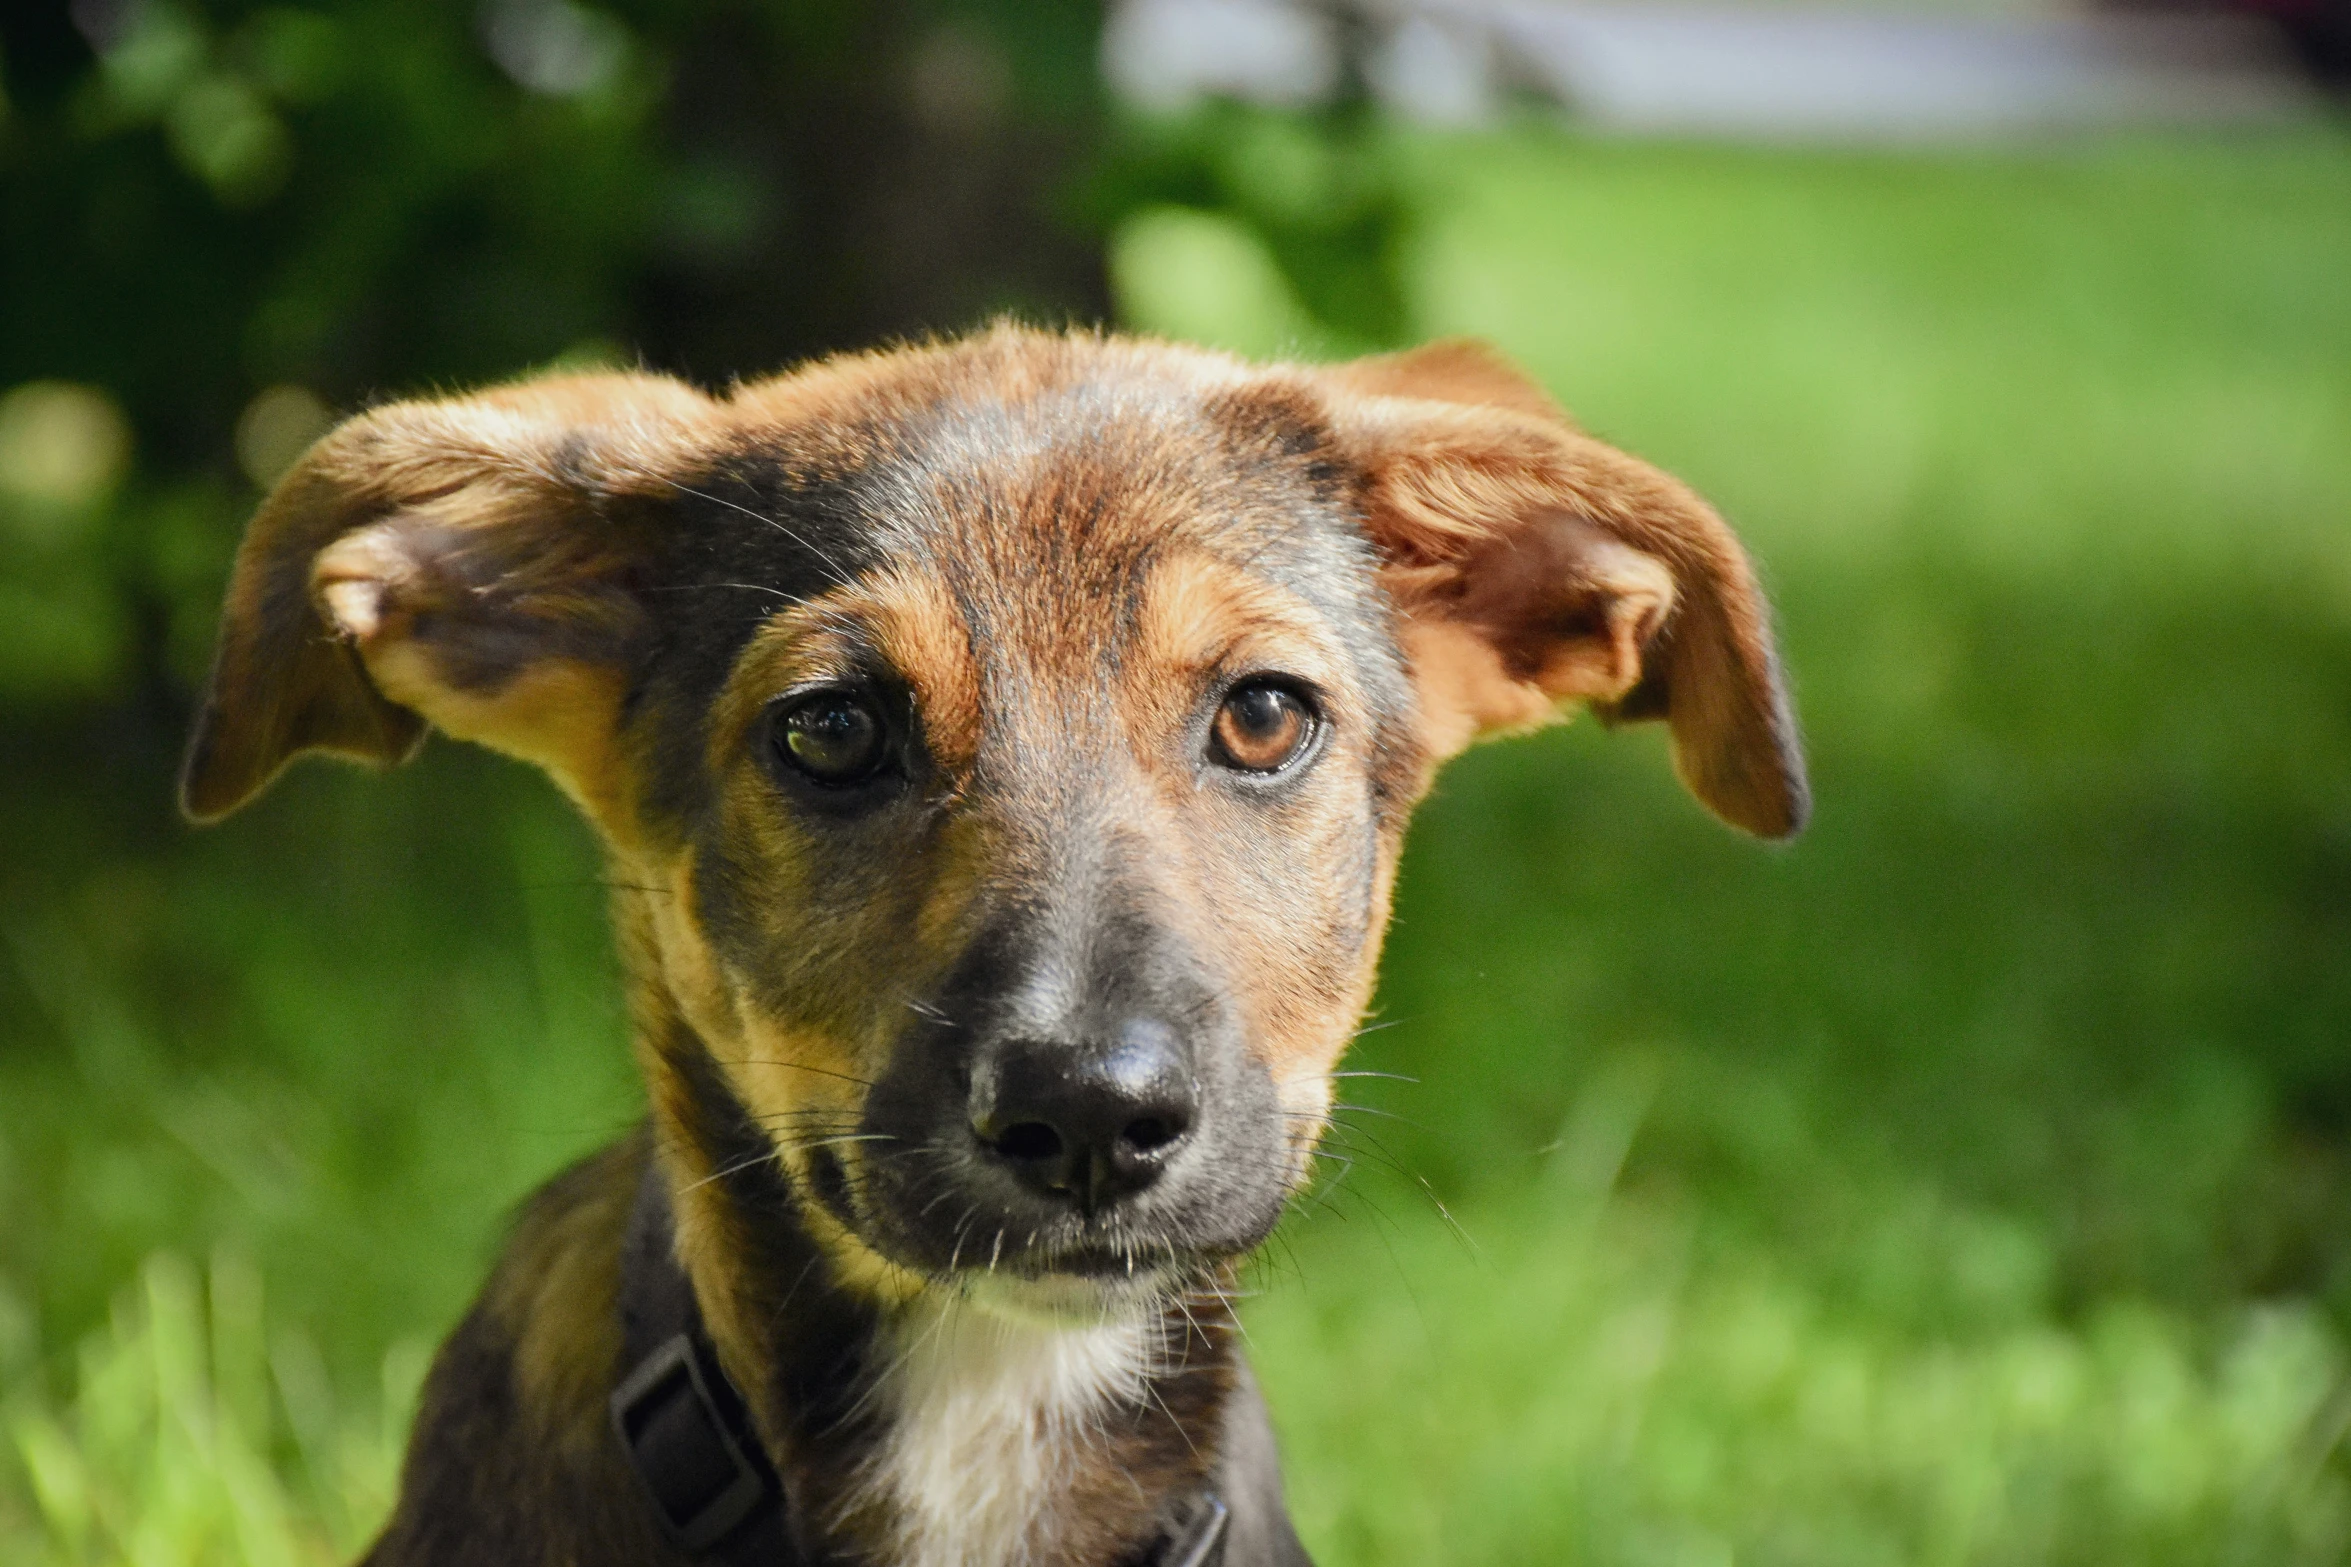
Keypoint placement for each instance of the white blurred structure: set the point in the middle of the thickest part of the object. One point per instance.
(1164, 53)
(1779, 72)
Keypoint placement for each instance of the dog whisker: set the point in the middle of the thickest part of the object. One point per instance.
(767, 1157)
(1389, 1115)
(796, 1066)
(748, 587)
(926, 1011)
(840, 574)
(1151, 1391)
(636, 887)
(835, 1142)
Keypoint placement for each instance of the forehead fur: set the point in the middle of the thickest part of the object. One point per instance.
(1033, 482)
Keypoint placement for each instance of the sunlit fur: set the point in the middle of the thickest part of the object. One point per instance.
(989, 1416)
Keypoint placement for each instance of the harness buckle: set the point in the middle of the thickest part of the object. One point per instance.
(1201, 1542)
(701, 1481)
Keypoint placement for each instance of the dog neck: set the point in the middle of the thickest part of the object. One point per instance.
(942, 1429)
(986, 1420)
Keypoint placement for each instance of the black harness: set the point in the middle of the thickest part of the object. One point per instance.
(689, 1437)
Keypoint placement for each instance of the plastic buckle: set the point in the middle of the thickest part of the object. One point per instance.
(701, 1481)
(1201, 1545)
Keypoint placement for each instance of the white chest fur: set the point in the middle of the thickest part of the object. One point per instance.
(987, 1416)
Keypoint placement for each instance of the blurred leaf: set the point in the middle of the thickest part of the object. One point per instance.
(63, 449)
(1199, 277)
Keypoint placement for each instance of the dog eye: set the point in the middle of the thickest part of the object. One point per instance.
(835, 737)
(1261, 728)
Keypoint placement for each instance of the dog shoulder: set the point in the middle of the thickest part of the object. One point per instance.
(512, 1461)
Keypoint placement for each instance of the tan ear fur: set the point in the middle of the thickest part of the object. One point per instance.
(1534, 565)
(1450, 370)
(481, 517)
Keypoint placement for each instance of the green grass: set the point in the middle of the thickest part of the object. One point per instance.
(198, 1435)
(1960, 1185)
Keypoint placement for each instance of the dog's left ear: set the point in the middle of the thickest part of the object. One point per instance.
(1534, 566)
(464, 564)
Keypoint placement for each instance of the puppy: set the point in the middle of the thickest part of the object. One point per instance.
(1002, 750)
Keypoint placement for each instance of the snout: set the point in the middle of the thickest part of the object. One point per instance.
(1108, 1141)
(1090, 1125)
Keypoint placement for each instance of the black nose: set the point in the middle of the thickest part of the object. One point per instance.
(1089, 1123)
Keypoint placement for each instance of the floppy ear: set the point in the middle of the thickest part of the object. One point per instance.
(1534, 566)
(458, 563)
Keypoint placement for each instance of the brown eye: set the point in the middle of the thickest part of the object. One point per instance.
(833, 737)
(1261, 728)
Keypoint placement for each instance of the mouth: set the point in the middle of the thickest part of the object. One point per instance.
(1067, 1250)
(1103, 1262)
(1088, 1260)
(1061, 1296)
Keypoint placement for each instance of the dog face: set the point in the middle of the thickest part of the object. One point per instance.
(1003, 748)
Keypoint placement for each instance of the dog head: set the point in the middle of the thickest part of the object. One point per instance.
(1003, 747)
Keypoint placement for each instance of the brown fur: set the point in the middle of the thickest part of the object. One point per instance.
(1057, 548)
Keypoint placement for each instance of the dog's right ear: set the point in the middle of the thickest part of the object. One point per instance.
(437, 563)
(1531, 566)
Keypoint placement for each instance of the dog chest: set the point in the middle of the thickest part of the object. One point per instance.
(989, 1419)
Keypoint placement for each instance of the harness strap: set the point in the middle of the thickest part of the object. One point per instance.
(682, 1423)
(688, 1433)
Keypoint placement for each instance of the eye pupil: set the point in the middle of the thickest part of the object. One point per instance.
(1261, 727)
(1259, 712)
(835, 737)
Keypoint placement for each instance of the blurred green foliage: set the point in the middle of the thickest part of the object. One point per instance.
(1962, 1184)
(228, 220)
(2012, 1100)
(1318, 200)
(198, 1436)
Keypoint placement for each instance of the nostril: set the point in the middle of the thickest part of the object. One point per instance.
(1092, 1119)
(1149, 1134)
(1029, 1142)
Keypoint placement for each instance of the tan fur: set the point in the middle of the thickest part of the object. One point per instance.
(1199, 614)
(482, 468)
(554, 1295)
(923, 635)
(1062, 638)
(1450, 490)
(1454, 370)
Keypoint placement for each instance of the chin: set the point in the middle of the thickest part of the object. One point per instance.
(1074, 1300)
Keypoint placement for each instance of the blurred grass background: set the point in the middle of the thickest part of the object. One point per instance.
(1964, 1184)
